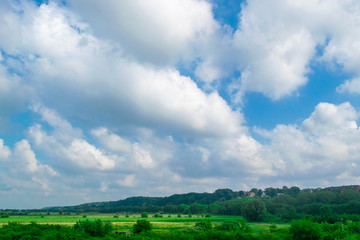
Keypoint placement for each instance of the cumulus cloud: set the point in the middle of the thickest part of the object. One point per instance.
(112, 110)
(148, 33)
(66, 143)
(111, 141)
(351, 86)
(63, 60)
(88, 156)
(274, 50)
(323, 148)
(25, 156)
(329, 117)
(4, 151)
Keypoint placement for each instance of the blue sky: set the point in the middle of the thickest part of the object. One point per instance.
(102, 100)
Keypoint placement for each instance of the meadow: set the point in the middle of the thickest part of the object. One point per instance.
(122, 223)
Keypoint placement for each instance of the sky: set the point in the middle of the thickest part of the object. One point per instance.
(103, 100)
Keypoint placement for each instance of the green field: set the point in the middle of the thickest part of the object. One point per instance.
(122, 223)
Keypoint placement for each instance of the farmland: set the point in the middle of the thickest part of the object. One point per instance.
(123, 223)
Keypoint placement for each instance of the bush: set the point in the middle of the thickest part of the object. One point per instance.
(354, 227)
(5, 215)
(94, 228)
(229, 225)
(144, 215)
(305, 230)
(244, 226)
(142, 226)
(157, 215)
(204, 225)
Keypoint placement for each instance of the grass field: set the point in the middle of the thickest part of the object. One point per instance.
(123, 223)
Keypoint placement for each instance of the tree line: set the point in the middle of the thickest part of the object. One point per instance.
(272, 204)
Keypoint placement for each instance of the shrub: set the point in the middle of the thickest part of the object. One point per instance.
(305, 230)
(144, 215)
(204, 225)
(229, 225)
(244, 226)
(142, 226)
(354, 227)
(5, 215)
(157, 215)
(127, 215)
(94, 228)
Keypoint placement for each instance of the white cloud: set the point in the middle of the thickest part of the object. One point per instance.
(143, 157)
(88, 156)
(146, 31)
(329, 117)
(350, 86)
(25, 156)
(4, 151)
(273, 48)
(128, 181)
(66, 143)
(111, 141)
(325, 146)
(62, 60)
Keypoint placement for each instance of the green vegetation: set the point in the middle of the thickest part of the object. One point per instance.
(286, 213)
(141, 226)
(94, 228)
(233, 228)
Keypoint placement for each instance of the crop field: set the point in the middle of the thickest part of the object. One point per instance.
(122, 223)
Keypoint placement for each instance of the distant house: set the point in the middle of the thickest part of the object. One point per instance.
(355, 188)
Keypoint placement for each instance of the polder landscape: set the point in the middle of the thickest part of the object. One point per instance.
(180, 119)
(287, 213)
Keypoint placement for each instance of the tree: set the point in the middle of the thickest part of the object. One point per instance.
(253, 210)
(348, 195)
(142, 226)
(157, 215)
(197, 208)
(144, 215)
(293, 191)
(271, 192)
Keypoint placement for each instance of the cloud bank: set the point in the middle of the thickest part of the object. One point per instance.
(113, 99)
